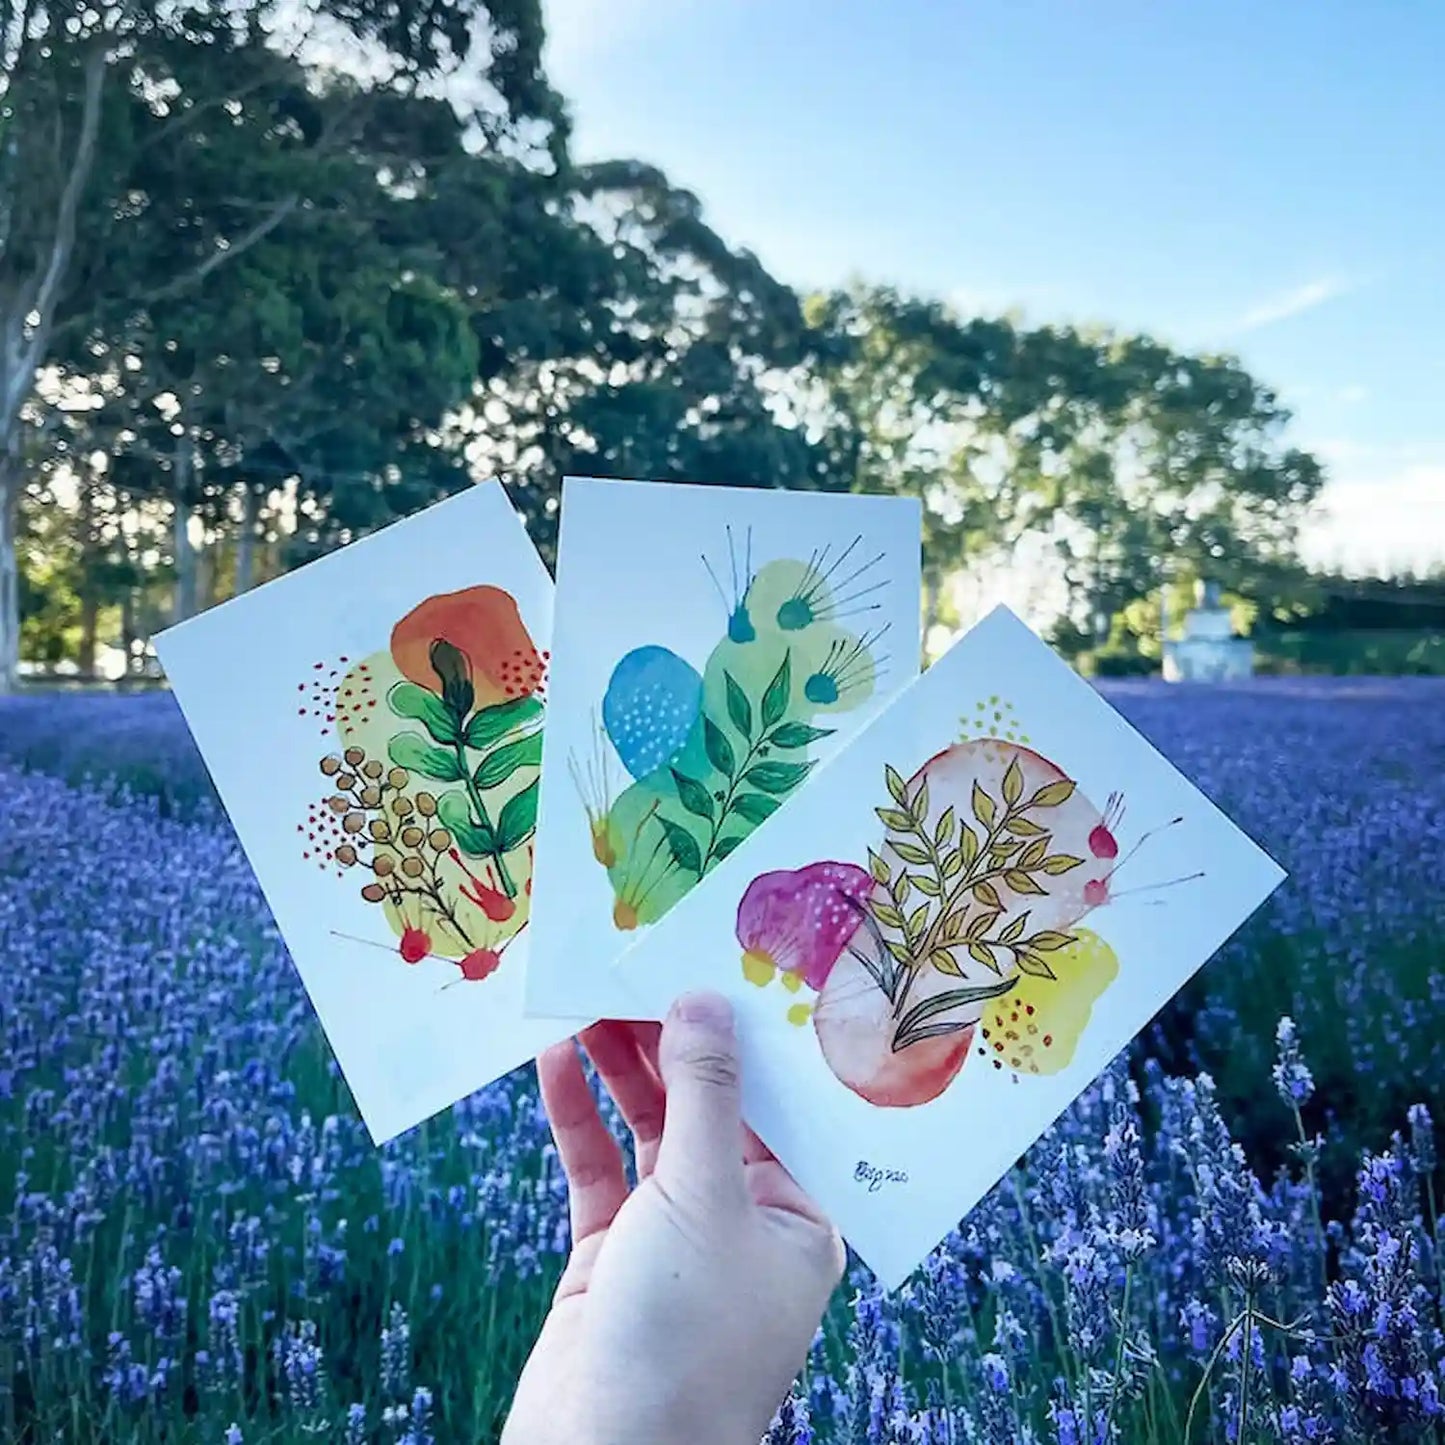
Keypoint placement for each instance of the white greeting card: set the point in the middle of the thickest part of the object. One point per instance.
(372, 723)
(950, 932)
(713, 646)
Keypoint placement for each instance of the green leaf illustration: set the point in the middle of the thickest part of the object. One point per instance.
(1013, 783)
(755, 807)
(779, 693)
(491, 723)
(909, 852)
(978, 926)
(983, 806)
(408, 700)
(896, 786)
(1050, 942)
(724, 846)
(1052, 794)
(693, 796)
(892, 818)
(685, 852)
(740, 710)
(901, 887)
(1020, 882)
(878, 868)
(918, 808)
(1034, 854)
(1025, 827)
(797, 735)
(940, 1003)
(887, 915)
(777, 777)
(982, 953)
(1032, 963)
(412, 752)
(500, 764)
(929, 886)
(473, 838)
(945, 962)
(519, 818)
(1015, 930)
(903, 1041)
(1061, 863)
(943, 833)
(719, 749)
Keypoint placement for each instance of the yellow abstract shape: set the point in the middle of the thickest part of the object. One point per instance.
(404, 851)
(1036, 1026)
(800, 1013)
(792, 982)
(758, 968)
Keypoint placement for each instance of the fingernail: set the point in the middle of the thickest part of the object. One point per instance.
(711, 1009)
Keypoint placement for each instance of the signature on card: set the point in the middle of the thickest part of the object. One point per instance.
(875, 1178)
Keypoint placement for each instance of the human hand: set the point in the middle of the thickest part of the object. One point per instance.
(689, 1303)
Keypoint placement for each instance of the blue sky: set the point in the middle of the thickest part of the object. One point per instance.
(1263, 179)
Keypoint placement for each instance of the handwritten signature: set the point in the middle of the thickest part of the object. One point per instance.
(875, 1178)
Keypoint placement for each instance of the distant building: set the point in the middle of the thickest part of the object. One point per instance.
(1208, 651)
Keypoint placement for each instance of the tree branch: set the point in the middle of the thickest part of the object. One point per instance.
(62, 243)
(221, 255)
(75, 183)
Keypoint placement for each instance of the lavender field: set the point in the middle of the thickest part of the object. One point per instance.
(1233, 1237)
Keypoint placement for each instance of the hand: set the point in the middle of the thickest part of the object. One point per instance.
(688, 1304)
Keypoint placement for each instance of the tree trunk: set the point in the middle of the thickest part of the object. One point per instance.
(9, 569)
(185, 554)
(127, 629)
(246, 540)
(89, 599)
(932, 596)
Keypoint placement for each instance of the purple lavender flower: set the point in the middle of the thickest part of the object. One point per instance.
(396, 1354)
(1292, 1077)
(791, 1425)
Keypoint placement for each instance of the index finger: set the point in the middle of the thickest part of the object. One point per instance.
(591, 1160)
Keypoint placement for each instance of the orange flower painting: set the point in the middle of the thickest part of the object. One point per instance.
(432, 796)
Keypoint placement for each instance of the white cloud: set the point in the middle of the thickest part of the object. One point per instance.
(1387, 522)
(1294, 302)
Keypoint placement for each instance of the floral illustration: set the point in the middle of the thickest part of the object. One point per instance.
(959, 936)
(685, 764)
(433, 793)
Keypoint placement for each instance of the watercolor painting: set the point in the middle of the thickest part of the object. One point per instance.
(430, 805)
(942, 938)
(373, 725)
(712, 753)
(958, 935)
(698, 688)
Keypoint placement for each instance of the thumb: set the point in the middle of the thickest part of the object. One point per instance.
(698, 1059)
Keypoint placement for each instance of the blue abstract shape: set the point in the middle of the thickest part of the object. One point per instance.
(650, 707)
(740, 625)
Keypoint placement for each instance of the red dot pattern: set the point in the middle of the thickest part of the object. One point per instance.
(322, 834)
(316, 695)
(520, 672)
(1013, 1038)
(356, 699)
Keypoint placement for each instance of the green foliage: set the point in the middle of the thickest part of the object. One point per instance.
(1412, 652)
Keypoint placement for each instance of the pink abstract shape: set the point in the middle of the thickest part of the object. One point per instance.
(800, 921)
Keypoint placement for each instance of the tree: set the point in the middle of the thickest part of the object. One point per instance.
(114, 196)
(632, 341)
(1124, 453)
